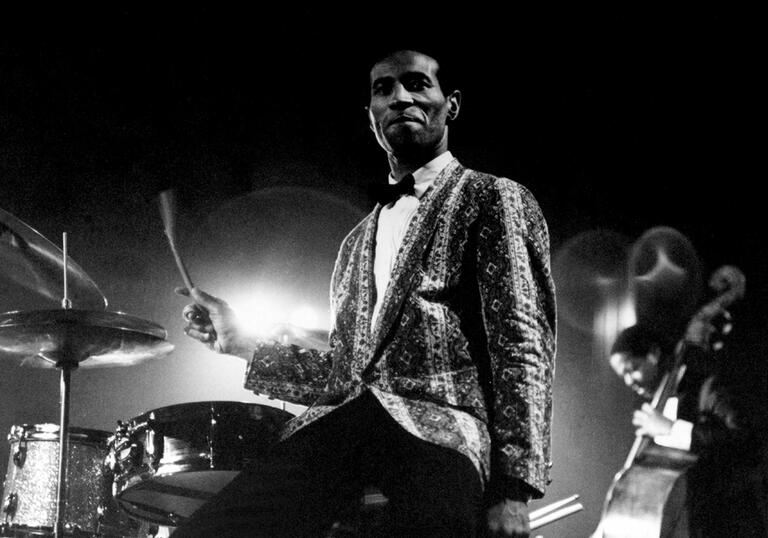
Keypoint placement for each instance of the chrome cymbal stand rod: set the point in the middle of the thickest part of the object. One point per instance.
(65, 302)
(61, 496)
(66, 367)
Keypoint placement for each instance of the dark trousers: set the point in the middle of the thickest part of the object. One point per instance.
(317, 477)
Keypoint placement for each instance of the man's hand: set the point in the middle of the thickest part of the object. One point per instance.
(509, 518)
(212, 321)
(650, 422)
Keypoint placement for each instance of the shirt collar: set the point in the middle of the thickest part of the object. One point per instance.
(425, 176)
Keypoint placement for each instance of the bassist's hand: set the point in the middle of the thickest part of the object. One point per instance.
(650, 422)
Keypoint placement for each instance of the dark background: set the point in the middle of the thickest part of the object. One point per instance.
(617, 122)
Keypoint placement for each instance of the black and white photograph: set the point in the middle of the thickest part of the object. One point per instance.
(383, 271)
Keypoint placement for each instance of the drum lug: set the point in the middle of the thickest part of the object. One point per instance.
(136, 454)
(20, 454)
(10, 505)
(155, 448)
(101, 515)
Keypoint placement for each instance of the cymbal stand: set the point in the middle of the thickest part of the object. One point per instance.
(65, 363)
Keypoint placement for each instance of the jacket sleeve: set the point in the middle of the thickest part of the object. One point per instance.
(288, 372)
(292, 373)
(719, 426)
(518, 308)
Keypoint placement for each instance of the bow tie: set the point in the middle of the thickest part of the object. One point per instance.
(385, 194)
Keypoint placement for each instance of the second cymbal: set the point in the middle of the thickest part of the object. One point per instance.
(90, 339)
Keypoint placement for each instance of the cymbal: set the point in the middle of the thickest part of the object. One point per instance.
(90, 339)
(32, 261)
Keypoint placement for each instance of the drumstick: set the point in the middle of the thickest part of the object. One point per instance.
(551, 507)
(553, 512)
(554, 516)
(168, 214)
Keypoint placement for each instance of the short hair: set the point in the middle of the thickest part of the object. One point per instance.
(447, 66)
(636, 340)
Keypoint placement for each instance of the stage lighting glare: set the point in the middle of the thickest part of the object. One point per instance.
(305, 317)
(264, 315)
(259, 313)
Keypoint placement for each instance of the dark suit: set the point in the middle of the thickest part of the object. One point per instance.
(728, 486)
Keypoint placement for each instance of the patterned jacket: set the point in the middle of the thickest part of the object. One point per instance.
(462, 352)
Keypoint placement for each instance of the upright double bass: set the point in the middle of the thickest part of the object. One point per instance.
(647, 496)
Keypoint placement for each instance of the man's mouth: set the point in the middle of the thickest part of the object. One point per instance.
(406, 118)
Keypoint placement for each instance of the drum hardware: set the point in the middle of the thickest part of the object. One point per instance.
(35, 263)
(10, 505)
(186, 454)
(127, 453)
(30, 491)
(68, 338)
(20, 455)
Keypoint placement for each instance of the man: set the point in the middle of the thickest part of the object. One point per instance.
(725, 491)
(437, 384)
(641, 361)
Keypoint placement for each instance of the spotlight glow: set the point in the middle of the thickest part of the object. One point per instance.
(258, 312)
(305, 317)
(264, 314)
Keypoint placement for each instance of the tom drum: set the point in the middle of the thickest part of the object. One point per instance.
(168, 462)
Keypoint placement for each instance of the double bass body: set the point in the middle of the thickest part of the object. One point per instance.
(647, 498)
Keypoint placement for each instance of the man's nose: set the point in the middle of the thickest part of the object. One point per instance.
(401, 97)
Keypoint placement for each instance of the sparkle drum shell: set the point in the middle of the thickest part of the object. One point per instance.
(31, 484)
(168, 462)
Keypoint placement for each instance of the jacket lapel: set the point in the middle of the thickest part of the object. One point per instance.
(366, 288)
(417, 237)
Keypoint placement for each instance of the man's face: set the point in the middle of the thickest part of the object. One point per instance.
(408, 111)
(639, 373)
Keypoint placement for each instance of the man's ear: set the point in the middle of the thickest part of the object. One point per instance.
(370, 118)
(454, 104)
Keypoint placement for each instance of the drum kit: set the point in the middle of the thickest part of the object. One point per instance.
(156, 469)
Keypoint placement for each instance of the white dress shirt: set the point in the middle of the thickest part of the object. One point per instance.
(681, 432)
(393, 223)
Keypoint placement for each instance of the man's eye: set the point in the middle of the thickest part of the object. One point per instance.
(381, 89)
(416, 85)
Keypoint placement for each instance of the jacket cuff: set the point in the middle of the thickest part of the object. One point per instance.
(509, 488)
(259, 370)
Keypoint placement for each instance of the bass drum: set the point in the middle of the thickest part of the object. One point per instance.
(31, 486)
(168, 462)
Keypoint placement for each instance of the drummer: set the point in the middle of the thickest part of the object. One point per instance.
(437, 386)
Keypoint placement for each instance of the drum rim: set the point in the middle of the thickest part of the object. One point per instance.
(33, 432)
(216, 403)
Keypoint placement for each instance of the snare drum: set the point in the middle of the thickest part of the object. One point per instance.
(168, 462)
(31, 485)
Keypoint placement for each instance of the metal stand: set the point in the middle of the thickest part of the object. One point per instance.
(61, 495)
(66, 366)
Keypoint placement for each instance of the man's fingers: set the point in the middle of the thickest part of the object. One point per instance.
(203, 336)
(194, 313)
(201, 326)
